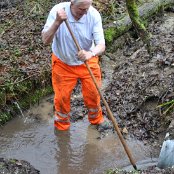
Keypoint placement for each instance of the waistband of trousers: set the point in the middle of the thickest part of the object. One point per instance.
(94, 59)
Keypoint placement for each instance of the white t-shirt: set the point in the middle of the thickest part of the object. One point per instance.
(87, 31)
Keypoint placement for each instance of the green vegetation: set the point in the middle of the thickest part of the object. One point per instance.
(120, 171)
(4, 117)
(167, 107)
(26, 93)
(110, 35)
(138, 24)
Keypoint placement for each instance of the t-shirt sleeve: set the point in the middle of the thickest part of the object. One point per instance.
(51, 17)
(98, 33)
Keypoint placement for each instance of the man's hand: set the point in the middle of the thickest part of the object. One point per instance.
(61, 16)
(84, 55)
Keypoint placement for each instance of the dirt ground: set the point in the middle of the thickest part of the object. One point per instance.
(141, 83)
(138, 85)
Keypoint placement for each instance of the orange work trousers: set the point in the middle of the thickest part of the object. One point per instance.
(64, 79)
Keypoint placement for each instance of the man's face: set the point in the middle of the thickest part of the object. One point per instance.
(80, 9)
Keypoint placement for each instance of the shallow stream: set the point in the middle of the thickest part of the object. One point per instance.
(79, 150)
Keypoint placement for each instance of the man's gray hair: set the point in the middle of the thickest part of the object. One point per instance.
(79, 1)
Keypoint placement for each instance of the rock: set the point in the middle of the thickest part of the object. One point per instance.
(166, 158)
(11, 166)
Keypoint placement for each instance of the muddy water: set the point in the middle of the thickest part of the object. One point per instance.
(79, 150)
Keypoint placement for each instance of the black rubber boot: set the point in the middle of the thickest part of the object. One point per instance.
(104, 126)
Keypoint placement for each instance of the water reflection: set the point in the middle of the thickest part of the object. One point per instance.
(74, 152)
(63, 151)
(80, 151)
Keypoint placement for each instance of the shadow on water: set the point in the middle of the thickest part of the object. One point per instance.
(76, 151)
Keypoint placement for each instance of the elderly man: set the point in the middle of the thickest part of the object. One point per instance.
(68, 63)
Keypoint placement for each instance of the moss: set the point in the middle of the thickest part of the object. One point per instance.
(12, 161)
(109, 34)
(112, 33)
(138, 24)
(4, 117)
(35, 98)
(134, 14)
(25, 92)
(25, 102)
(132, 6)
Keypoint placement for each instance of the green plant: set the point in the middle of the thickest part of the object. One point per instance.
(168, 106)
(4, 117)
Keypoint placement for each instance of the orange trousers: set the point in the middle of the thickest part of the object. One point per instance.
(64, 79)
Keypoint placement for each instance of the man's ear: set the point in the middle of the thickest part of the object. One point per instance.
(72, 3)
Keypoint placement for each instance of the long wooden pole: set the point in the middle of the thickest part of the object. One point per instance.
(105, 103)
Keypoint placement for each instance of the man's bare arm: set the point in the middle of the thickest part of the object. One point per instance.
(47, 36)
